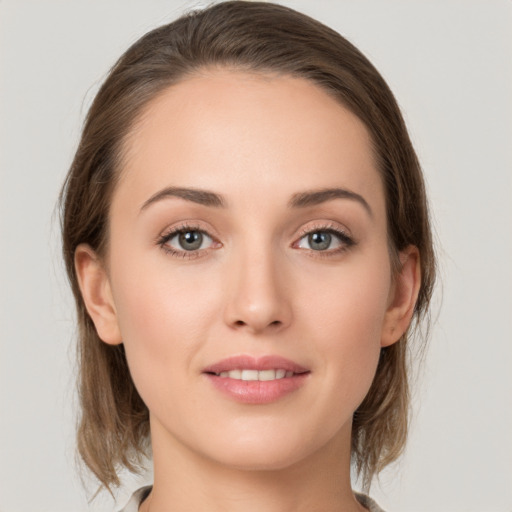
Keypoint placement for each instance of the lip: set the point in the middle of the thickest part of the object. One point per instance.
(256, 392)
(254, 363)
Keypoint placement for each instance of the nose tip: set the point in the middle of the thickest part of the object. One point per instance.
(258, 302)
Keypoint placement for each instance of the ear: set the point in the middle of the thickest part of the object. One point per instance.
(403, 296)
(96, 292)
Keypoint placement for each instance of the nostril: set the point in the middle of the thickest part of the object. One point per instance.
(241, 323)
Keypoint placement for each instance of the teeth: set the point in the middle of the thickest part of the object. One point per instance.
(249, 374)
(267, 375)
(263, 375)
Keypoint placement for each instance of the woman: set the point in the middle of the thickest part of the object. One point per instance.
(246, 233)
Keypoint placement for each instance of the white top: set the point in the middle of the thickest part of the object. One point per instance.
(140, 494)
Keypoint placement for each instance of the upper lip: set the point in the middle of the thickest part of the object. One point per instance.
(247, 362)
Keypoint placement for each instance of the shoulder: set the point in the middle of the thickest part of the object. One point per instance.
(368, 503)
(136, 499)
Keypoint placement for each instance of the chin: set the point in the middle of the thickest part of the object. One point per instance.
(259, 459)
(272, 451)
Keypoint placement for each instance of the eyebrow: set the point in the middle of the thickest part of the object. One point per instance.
(298, 200)
(203, 197)
(316, 197)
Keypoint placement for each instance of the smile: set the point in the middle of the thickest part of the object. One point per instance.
(256, 380)
(262, 375)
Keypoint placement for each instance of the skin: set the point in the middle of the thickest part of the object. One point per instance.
(258, 287)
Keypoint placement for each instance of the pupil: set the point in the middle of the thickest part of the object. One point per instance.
(191, 240)
(319, 241)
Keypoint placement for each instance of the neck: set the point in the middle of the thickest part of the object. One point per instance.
(187, 481)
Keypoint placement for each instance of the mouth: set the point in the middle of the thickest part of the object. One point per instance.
(260, 375)
(252, 380)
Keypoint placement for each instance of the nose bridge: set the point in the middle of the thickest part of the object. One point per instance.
(257, 298)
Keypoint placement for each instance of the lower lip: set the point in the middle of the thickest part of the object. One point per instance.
(257, 391)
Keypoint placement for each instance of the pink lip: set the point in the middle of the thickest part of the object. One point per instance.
(254, 363)
(256, 392)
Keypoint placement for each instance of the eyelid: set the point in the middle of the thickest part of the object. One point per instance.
(187, 225)
(327, 225)
(345, 237)
(171, 231)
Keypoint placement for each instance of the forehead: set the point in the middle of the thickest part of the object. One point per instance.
(246, 132)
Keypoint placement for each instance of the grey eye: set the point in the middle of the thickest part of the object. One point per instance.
(191, 240)
(321, 241)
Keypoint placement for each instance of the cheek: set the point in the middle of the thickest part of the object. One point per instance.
(346, 317)
(164, 319)
(155, 301)
(349, 303)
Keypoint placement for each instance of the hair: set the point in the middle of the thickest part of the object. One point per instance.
(113, 427)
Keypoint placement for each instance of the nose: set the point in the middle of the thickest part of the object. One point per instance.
(258, 296)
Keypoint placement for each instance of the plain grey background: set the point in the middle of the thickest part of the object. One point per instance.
(449, 64)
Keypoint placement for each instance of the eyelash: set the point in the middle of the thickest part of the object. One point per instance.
(345, 240)
(163, 240)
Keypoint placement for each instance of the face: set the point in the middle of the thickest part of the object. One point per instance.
(248, 272)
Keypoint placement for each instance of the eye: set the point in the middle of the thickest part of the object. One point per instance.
(325, 240)
(189, 240)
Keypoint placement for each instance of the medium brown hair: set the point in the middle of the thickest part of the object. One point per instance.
(263, 37)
